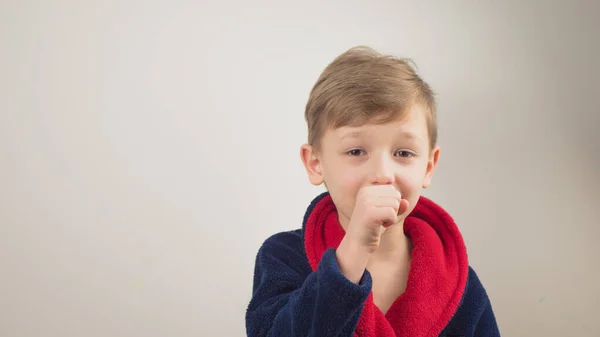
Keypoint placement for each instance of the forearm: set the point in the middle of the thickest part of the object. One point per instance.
(352, 259)
(325, 303)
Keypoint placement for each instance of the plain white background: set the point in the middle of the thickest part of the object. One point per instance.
(148, 148)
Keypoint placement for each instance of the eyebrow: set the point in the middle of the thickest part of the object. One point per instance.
(410, 135)
(353, 134)
(404, 134)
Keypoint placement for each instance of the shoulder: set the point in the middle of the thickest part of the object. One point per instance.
(475, 298)
(283, 250)
(292, 238)
(283, 243)
(474, 316)
(475, 289)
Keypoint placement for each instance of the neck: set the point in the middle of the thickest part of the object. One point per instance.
(394, 245)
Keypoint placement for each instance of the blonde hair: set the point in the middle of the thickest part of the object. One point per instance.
(363, 86)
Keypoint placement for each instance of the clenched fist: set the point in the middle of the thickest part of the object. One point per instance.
(377, 207)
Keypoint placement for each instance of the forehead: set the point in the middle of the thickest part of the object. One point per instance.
(411, 125)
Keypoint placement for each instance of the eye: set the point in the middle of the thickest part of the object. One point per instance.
(355, 152)
(404, 154)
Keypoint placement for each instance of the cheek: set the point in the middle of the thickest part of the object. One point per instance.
(410, 183)
(351, 179)
(344, 177)
(345, 185)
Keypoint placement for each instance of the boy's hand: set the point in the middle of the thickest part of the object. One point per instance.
(376, 208)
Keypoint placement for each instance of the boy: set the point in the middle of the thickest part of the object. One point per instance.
(373, 257)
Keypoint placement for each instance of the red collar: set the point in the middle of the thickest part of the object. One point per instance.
(437, 277)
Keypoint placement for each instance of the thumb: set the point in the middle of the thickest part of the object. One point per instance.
(403, 207)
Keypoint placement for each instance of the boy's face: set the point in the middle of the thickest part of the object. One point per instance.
(350, 158)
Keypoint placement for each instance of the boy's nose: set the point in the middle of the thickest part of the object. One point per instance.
(381, 170)
(382, 179)
(382, 175)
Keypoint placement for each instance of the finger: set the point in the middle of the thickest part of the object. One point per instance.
(386, 191)
(387, 202)
(403, 207)
(386, 216)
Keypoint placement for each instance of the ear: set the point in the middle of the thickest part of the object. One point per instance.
(431, 164)
(312, 164)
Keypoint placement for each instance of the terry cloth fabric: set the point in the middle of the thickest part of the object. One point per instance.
(299, 289)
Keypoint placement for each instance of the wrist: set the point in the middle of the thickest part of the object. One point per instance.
(352, 258)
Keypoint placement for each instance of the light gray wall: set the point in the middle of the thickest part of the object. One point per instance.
(139, 170)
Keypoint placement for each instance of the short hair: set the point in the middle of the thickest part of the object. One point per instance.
(364, 86)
